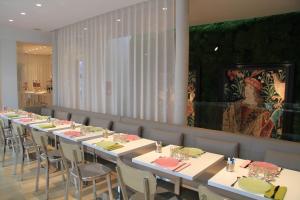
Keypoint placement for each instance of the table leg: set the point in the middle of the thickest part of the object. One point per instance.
(177, 185)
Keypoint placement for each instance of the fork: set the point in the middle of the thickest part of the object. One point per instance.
(237, 179)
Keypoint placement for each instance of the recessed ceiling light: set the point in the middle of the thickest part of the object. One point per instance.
(118, 20)
(11, 20)
(216, 49)
(164, 9)
(38, 5)
(23, 13)
(85, 28)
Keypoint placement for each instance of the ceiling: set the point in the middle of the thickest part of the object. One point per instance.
(55, 13)
(34, 49)
(210, 11)
(58, 13)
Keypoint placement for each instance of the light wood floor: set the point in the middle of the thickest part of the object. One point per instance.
(11, 188)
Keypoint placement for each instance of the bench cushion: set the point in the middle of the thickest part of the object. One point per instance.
(120, 127)
(167, 137)
(47, 112)
(229, 149)
(78, 118)
(62, 115)
(103, 123)
(283, 159)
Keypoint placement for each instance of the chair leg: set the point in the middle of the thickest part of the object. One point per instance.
(22, 166)
(79, 183)
(27, 155)
(38, 173)
(47, 179)
(4, 151)
(16, 162)
(94, 189)
(109, 187)
(67, 187)
(62, 171)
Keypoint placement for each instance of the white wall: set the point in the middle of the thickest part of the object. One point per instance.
(9, 36)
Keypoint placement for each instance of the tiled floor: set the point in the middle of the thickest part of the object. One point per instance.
(11, 188)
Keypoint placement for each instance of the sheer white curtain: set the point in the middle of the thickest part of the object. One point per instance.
(120, 63)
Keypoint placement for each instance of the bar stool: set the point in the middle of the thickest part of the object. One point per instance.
(81, 171)
(49, 156)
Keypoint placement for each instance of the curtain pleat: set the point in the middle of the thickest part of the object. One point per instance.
(119, 63)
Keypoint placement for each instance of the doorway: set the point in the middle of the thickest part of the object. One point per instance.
(34, 74)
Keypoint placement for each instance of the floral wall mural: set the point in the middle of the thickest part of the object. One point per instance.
(256, 96)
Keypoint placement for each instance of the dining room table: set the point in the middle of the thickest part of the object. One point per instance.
(108, 145)
(26, 121)
(239, 182)
(77, 135)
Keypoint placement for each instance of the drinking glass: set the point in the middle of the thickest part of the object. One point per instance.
(158, 146)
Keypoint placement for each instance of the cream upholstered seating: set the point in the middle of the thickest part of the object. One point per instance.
(23, 146)
(76, 168)
(62, 115)
(6, 139)
(47, 112)
(207, 194)
(79, 118)
(46, 155)
(104, 123)
(121, 127)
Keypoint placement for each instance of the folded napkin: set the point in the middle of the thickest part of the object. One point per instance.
(132, 137)
(12, 115)
(46, 126)
(25, 120)
(279, 195)
(109, 145)
(72, 133)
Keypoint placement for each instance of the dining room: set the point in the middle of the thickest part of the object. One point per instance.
(150, 99)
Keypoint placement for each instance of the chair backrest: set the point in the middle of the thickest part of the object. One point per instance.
(2, 134)
(121, 127)
(207, 194)
(98, 122)
(40, 139)
(78, 118)
(17, 130)
(71, 152)
(135, 179)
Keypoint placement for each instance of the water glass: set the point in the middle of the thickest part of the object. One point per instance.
(158, 146)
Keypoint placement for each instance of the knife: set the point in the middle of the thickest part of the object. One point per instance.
(183, 167)
(275, 191)
(182, 164)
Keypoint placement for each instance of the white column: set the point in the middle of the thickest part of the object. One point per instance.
(182, 61)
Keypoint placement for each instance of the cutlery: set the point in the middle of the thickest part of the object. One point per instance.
(279, 172)
(251, 161)
(180, 165)
(237, 179)
(183, 167)
(275, 191)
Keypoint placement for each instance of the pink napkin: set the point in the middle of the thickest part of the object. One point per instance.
(63, 122)
(167, 162)
(72, 133)
(132, 138)
(25, 120)
(266, 165)
(245, 164)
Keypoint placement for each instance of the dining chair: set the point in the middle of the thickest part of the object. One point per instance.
(82, 172)
(6, 138)
(207, 194)
(46, 154)
(23, 146)
(143, 182)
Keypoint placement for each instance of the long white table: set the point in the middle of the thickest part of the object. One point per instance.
(26, 123)
(5, 116)
(50, 130)
(87, 136)
(128, 148)
(224, 179)
(197, 165)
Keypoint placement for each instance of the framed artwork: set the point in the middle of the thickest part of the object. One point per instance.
(255, 96)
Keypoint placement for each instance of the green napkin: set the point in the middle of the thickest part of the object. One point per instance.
(279, 194)
(108, 145)
(192, 152)
(93, 129)
(46, 126)
(12, 115)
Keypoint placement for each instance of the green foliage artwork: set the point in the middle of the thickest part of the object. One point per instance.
(266, 40)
